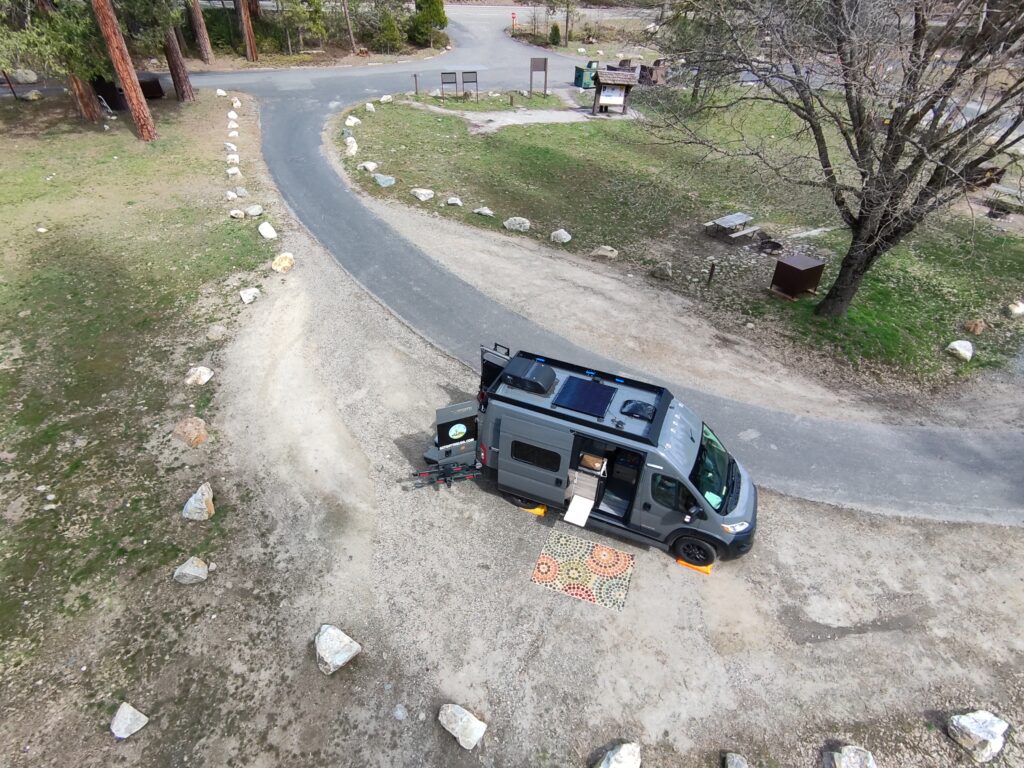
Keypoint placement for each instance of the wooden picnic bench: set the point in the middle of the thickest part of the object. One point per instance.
(744, 232)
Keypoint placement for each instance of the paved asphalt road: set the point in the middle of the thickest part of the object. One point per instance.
(949, 474)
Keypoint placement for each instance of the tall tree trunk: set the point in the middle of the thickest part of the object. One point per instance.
(856, 263)
(179, 73)
(255, 9)
(107, 21)
(180, 38)
(348, 25)
(195, 15)
(251, 54)
(567, 26)
(85, 99)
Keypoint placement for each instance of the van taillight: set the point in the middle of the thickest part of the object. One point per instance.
(483, 454)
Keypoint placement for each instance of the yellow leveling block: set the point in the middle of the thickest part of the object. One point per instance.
(538, 511)
(705, 569)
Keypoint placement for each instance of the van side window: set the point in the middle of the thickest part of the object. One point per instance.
(538, 457)
(670, 493)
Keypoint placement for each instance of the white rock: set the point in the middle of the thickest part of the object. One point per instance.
(386, 99)
(32, 95)
(200, 504)
(249, 295)
(524, 93)
(230, 147)
(436, 92)
(241, 191)
(192, 571)
(368, 165)
(236, 103)
(370, 107)
(127, 720)
(283, 262)
(604, 252)
(267, 230)
(623, 756)
(352, 121)
(253, 211)
(24, 76)
(198, 375)
(517, 224)
(234, 213)
(600, 53)
(1016, 309)
(733, 760)
(422, 194)
(462, 724)
(232, 125)
(581, 50)
(334, 649)
(980, 733)
(42, 230)
(233, 171)
(962, 349)
(232, 115)
(351, 148)
(560, 236)
(484, 211)
(221, 92)
(232, 158)
(232, 134)
(454, 201)
(849, 757)
(231, 195)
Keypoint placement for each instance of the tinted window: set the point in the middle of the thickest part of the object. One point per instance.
(670, 493)
(538, 457)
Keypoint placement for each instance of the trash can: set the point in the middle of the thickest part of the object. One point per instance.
(585, 75)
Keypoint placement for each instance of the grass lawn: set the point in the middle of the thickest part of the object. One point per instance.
(94, 315)
(611, 182)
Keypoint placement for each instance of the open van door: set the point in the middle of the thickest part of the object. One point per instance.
(533, 461)
(492, 363)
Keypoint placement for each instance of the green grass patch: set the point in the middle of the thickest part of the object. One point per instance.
(615, 183)
(90, 313)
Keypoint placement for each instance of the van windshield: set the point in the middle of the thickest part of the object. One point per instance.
(711, 470)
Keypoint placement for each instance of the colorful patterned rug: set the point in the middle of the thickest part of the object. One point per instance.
(584, 570)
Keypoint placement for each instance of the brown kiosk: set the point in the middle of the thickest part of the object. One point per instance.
(611, 89)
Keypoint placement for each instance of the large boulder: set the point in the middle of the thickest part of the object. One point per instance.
(267, 230)
(975, 327)
(370, 107)
(191, 431)
(232, 125)
(283, 262)
(733, 760)
(192, 571)
(484, 211)
(849, 757)
(981, 733)
(236, 103)
(517, 224)
(198, 375)
(254, 211)
(236, 213)
(1016, 309)
(386, 99)
(560, 236)
(221, 92)
(232, 115)
(352, 121)
(605, 252)
(233, 171)
(367, 165)
(32, 95)
(961, 349)
(334, 649)
(422, 194)
(462, 724)
(127, 720)
(230, 146)
(249, 295)
(663, 271)
(351, 148)
(24, 77)
(622, 756)
(232, 158)
(200, 504)
(384, 181)
(457, 202)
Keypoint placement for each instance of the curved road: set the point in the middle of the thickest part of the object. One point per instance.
(921, 471)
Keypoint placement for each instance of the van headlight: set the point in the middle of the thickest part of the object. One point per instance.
(735, 527)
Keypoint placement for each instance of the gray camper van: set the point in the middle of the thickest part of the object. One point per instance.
(613, 453)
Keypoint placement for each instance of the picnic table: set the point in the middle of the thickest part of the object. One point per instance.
(731, 225)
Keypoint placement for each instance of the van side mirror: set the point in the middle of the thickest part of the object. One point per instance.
(697, 512)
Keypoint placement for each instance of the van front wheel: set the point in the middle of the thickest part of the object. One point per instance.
(694, 551)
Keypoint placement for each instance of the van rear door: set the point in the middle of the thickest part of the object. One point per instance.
(533, 461)
(492, 363)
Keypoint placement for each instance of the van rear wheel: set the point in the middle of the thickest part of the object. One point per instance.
(694, 551)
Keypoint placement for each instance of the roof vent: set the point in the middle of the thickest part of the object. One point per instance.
(529, 376)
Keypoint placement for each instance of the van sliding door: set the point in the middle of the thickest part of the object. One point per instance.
(533, 461)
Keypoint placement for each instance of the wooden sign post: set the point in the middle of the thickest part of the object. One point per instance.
(449, 78)
(539, 65)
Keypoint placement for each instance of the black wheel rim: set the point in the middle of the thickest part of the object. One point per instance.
(695, 553)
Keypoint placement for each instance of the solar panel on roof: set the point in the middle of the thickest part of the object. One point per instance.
(584, 396)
